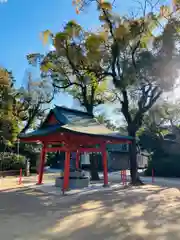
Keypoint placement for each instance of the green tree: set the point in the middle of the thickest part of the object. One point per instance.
(9, 122)
(141, 65)
(158, 123)
(102, 119)
(21, 108)
(75, 67)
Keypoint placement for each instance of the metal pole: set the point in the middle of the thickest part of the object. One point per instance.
(18, 141)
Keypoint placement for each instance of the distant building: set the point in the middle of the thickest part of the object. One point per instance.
(118, 158)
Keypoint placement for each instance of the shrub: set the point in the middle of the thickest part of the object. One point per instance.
(164, 165)
(9, 161)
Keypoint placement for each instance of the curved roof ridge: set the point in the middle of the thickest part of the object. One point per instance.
(73, 110)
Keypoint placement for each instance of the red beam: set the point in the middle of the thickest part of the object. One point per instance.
(69, 139)
(64, 149)
(72, 149)
(55, 149)
(82, 150)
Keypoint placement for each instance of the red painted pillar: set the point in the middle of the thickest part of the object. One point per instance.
(41, 166)
(105, 168)
(77, 159)
(66, 171)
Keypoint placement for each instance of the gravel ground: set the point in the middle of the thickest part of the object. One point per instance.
(147, 212)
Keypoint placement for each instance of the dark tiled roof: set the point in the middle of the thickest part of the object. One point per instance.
(75, 121)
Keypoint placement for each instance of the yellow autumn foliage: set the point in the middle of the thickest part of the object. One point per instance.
(176, 4)
(59, 40)
(4, 77)
(45, 36)
(94, 41)
(47, 66)
(121, 31)
(105, 5)
(104, 35)
(165, 11)
(72, 29)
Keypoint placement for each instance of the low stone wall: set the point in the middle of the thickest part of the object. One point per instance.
(73, 183)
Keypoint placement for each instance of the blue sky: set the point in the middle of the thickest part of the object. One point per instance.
(22, 21)
(21, 24)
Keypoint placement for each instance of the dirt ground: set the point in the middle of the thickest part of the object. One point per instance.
(13, 182)
(147, 212)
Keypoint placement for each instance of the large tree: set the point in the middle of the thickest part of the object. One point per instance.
(142, 65)
(159, 123)
(74, 66)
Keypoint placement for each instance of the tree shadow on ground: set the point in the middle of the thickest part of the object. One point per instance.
(147, 212)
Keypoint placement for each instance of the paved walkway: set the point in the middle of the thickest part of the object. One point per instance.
(160, 181)
(168, 182)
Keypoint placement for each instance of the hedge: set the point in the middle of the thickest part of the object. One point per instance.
(11, 161)
(164, 165)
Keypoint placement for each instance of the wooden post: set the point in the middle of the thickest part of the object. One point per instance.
(66, 171)
(41, 166)
(123, 177)
(104, 159)
(77, 159)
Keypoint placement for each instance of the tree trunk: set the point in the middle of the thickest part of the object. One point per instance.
(93, 168)
(93, 160)
(135, 180)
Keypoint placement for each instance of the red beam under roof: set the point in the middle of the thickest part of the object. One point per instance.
(83, 150)
(77, 139)
(65, 149)
(55, 149)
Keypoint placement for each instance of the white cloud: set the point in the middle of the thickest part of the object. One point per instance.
(51, 48)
